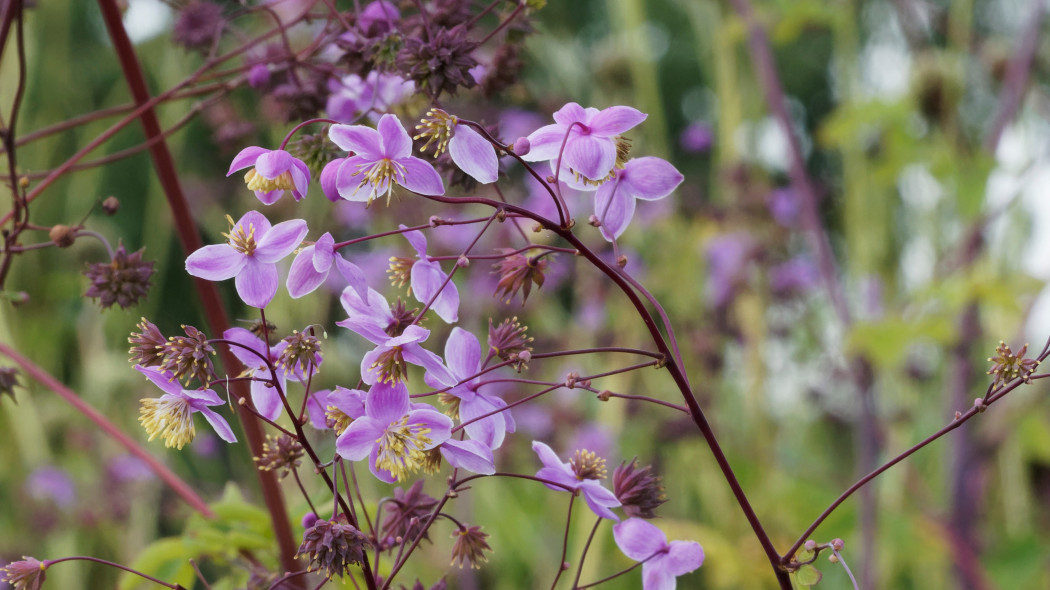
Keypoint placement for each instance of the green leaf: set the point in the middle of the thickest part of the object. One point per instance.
(808, 575)
(166, 559)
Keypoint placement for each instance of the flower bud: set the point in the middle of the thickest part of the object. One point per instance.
(111, 205)
(62, 235)
(521, 146)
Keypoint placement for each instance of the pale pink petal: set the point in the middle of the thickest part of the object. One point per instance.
(474, 154)
(599, 499)
(417, 355)
(546, 454)
(359, 439)
(219, 424)
(438, 425)
(303, 277)
(354, 276)
(395, 142)
(655, 577)
(569, 114)
(420, 177)
(381, 474)
(417, 239)
(683, 557)
(350, 181)
(650, 178)
(257, 283)
(245, 158)
(266, 399)
(363, 141)
(269, 197)
(427, 280)
(615, 120)
(201, 398)
(164, 380)
(300, 178)
(545, 143)
(639, 539)
(590, 156)
(462, 353)
(387, 402)
(274, 163)
(323, 253)
(328, 179)
(614, 207)
(491, 430)
(470, 455)
(217, 262)
(280, 241)
(248, 342)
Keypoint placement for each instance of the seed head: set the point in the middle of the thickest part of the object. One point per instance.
(189, 357)
(441, 63)
(1008, 366)
(518, 272)
(469, 547)
(123, 280)
(508, 339)
(637, 489)
(407, 512)
(147, 345)
(303, 352)
(333, 546)
(587, 465)
(280, 453)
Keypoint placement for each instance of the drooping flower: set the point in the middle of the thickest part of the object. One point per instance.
(333, 546)
(429, 281)
(171, 415)
(663, 562)
(394, 434)
(407, 512)
(584, 473)
(518, 272)
(249, 256)
(637, 489)
(26, 574)
(463, 355)
(646, 178)
(590, 150)
(469, 547)
(280, 453)
(474, 154)
(274, 172)
(312, 264)
(383, 158)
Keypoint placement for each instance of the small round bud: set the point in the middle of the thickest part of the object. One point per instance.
(810, 545)
(110, 205)
(979, 404)
(462, 261)
(604, 395)
(23, 181)
(621, 261)
(584, 383)
(19, 298)
(550, 179)
(594, 221)
(958, 414)
(309, 519)
(241, 401)
(537, 228)
(63, 235)
(524, 356)
(521, 146)
(833, 558)
(435, 221)
(838, 544)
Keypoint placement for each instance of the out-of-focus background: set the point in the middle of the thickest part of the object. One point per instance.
(940, 235)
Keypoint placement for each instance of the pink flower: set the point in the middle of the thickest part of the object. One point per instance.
(582, 473)
(383, 158)
(590, 149)
(647, 178)
(275, 172)
(662, 561)
(249, 256)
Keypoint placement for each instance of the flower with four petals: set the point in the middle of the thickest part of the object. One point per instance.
(274, 172)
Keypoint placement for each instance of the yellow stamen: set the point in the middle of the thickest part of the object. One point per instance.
(258, 182)
(401, 448)
(241, 240)
(169, 417)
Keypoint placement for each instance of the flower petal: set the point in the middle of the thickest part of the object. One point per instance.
(359, 439)
(350, 183)
(614, 207)
(395, 142)
(323, 253)
(273, 164)
(429, 280)
(591, 156)
(417, 239)
(245, 158)
(615, 120)
(316, 405)
(281, 240)
(491, 430)
(266, 399)
(217, 262)
(381, 474)
(387, 402)
(253, 220)
(439, 425)
(349, 401)
(201, 398)
(417, 355)
(257, 283)
(474, 154)
(545, 143)
(420, 177)
(363, 141)
(246, 339)
(639, 539)
(328, 179)
(683, 557)
(462, 353)
(547, 455)
(471, 455)
(163, 379)
(656, 577)
(569, 114)
(300, 178)
(303, 277)
(353, 275)
(219, 424)
(599, 499)
(650, 178)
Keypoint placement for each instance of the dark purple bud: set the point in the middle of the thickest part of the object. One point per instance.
(521, 146)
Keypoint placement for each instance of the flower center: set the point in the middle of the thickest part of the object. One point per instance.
(170, 417)
(239, 239)
(400, 448)
(390, 365)
(258, 182)
(437, 127)
(587, 465)
(382, 175)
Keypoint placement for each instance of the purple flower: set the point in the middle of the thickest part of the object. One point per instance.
(265, 398)
(377, 17)
(377, 92)
(468, 149)
(393, 433)
(313, 263)
(383, 157)
(784, 206)
(463, 355)
(727, 256)
(171, 415)
(582, 473)
(396, 342)
(275, 172)
(662, 561)
(797, 275)
(646, 178)
(249, 256)
(473, 455)
(590, 150)
(258, 76)
(428, 279)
